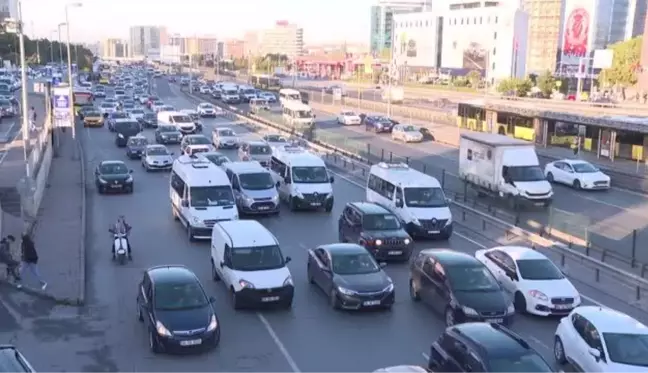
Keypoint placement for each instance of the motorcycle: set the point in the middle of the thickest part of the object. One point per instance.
(120, 246)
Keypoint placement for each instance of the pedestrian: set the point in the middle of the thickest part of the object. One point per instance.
(30, 259)
(32, 119)
(7, 259)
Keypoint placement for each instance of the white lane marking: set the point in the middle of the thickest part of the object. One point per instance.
(12, 311)
(8, 131)
(425, 356)
(279, 344)
(3, 155)
(596, 302)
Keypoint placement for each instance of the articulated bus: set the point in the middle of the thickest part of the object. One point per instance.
(81, 98)
(473, 117)
(265, 82)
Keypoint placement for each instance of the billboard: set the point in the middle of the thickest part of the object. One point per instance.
(578, 31)
(475, 56)
(415, 47)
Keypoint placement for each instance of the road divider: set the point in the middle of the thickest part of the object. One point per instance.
(616, 282)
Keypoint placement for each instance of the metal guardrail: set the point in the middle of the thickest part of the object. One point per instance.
(568, 258)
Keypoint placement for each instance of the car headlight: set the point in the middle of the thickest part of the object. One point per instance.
(298, 194)
(288, 281)
(537, 294)
(407, 241)
(246, 284)
(469, 311)
(162, 330)
(577, 299)
(389, 288)
(378, 242)
(449, 221)
(130, 179)
(345, 291)
(103, 181)
(248, 200)
(120, 135)
(213, 323)
(275, 198)
(196, 220)
(511, 308)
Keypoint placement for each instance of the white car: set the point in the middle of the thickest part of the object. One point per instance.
(349, 118)
(206, 109)
(598, 339)
(577, 174)
(275, 140)
(225, 137)
(107, 108)
(157, 157)
(537, 285)
(143, 99)
(406, 133)
(205, 90)
(157, 106)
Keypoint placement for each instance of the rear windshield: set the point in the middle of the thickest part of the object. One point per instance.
(181, 119)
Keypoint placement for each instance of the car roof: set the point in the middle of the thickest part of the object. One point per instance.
(520, 252)
(245, 167)
(370, 208)
(155, 146)
(450, 257)
(402, 175)
(607, 320)
(112, 162)
(247, 233)
(343, 248)
(495, 340)
(171, 274)
(573, 161)
(11, 360)
(256, 142)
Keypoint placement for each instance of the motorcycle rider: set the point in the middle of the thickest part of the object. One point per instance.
(121, 227)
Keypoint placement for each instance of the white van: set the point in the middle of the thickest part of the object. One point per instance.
(296, 114)
(289, 95)
(415, 197)
(201, 195)
(304, 181)
(182, 121)
(246, 256)
(230, 94)
(247, 93)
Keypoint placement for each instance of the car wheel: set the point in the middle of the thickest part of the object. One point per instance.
(550, 177)
(449, 317)
(577, 184)
(559, 351)
(100, 189)
(236, 303)
(333, 300)
(519, 302)
(413, 292)
(190, 234)
(215, 276)
(154, 344)
(174, 214)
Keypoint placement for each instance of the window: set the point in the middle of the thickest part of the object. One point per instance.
(469, 154)
(235, 182)
(178, 184)
(495, 34)
(399, 194)
(496, 19)
(428, 267)
(380, 186)
(494, 51)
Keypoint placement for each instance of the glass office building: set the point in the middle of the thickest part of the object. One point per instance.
(382, 18)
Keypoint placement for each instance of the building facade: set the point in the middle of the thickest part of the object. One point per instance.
(143, 38)
(544, 34)
(283, 38)
(382, 20)
(114, 48)
(8, 9)
(234, 49)
(251, 43)
(170, 54)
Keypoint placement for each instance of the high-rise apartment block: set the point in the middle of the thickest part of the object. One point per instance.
(382, 20)
(114, 48)
(284, 38)
(145, 38)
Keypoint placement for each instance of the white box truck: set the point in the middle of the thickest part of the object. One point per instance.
(394, 93)
(503, 167)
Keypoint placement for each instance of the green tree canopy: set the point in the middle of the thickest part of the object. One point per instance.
(41, 51)
(624, 63)
(546, 83)
(516, 86)
(474, 77)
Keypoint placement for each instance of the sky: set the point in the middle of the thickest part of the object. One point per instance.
(322, 20)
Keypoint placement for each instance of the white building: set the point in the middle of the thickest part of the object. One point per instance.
(170, 54)
(284, 38)
(485, 36)
(382, 20)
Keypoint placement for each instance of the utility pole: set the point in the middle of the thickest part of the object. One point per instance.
(190, 73)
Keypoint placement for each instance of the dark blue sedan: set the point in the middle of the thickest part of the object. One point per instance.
(378, 123)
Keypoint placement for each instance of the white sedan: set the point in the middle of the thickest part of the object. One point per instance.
(538, 286)
(205, 90)
(206, 109)
(577, 174)
(349, 118)
(406, 133)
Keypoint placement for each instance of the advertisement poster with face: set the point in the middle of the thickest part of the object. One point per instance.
(576, 32)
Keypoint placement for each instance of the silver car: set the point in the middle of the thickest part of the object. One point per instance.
(225, 138)
(157, 157)
(254, 188)
(258, 151)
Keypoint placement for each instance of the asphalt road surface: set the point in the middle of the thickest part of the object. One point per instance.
(311, 337)
(610, 215)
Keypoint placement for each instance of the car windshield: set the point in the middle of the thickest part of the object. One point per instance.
(181, 119)
(310, 175)
(256, 258)
(113, 169)
(525, 173)
(256, 181)
(217, 159)
(107, 105)
(531, 362)
(226, 133)
(174, 297)
(471, 278)
(275, 138)
(425, 197)
(198, 140)
(380, 222)
(410, 129)
(205, 106)
(584, 168)
(127, 128)
(260, 150)
(353, 263)
(119, 115)
(138, 141)
(539, 269)
(628, 349)
(348, 114)
(157, 151)
(167, 129)
(211, 196)
(92, 113)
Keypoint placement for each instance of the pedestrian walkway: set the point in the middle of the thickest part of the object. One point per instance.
(57, 233)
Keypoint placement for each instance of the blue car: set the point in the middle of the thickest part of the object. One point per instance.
(378, 123)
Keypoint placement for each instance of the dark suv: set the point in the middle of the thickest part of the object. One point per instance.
(375, 228)
(13, 361)
(176, 312)
(484, 347)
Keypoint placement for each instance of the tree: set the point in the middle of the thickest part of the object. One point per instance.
(546, 83)
(474, 77)
(41, 51)
(625, 60)
(515, 86)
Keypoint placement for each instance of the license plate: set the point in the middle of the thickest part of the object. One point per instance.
(496, 321)
(315, 204)
(115, 186)
(264, 208)
(269, 299)
(395, 252)
(191, 342)
(434, 232)
(539, 203)
(563, 306)
(371, 303)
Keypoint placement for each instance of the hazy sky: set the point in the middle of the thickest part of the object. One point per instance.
(322, 20)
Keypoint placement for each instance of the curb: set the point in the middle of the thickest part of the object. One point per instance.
(43, 295)
(82, 244)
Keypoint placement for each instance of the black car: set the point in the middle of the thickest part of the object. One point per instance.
(484, 347)
(125, 129)
(350, 277)
(7, 109)
(114, 117)
(167, 134)
(82, 111)
(135, 146)
(375, 228)
(459, 287)
(377, 123)
(176, 311)
(113, 176)
(150, 120)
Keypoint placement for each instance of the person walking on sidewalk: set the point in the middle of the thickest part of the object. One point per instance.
(7, 259)
(30, 259)
(32, 119)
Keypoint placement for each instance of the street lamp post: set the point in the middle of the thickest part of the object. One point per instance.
(24, 103)
(69, 61)
(59, 41)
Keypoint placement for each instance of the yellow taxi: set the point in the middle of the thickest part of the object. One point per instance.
(93, 118)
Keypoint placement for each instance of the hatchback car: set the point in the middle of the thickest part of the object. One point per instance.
(193, 140)
(167, 134)
(225, 138)
(113, 176)
(175, 310)
(406, 133)
(157, 157)
(377, 229)
(459, 287)
(350, 276)
(135, 146)
(258, 151)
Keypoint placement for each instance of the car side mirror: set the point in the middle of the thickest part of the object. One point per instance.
(172, 153)
(130, 171)
(448, 200)
(96, 172)
(185, 203)
(332, 179)
(382, 264)
(595, 353)
(287, 260)
(399, 203)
